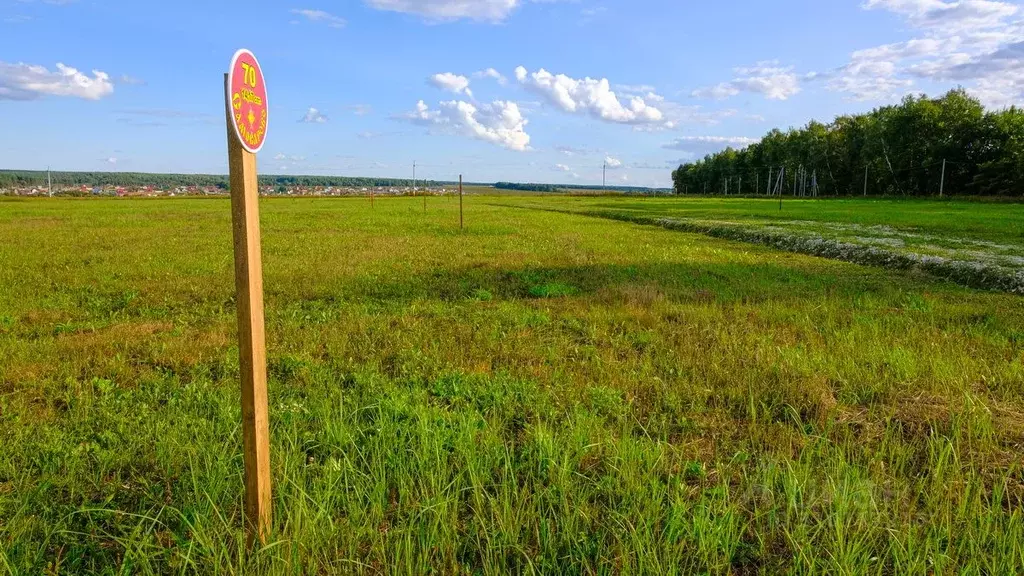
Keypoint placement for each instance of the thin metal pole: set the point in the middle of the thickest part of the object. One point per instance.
(942, 184)
(460, 202)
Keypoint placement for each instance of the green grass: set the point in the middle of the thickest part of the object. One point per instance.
(542, 393)
(992, 221)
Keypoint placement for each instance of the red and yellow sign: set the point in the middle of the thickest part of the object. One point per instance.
(248, 94)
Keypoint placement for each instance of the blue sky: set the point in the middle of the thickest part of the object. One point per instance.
(522, 90)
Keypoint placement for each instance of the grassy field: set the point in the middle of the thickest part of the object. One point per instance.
(979, 245)
(542, 393)
(993, 221)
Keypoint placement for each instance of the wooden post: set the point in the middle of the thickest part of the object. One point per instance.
(460, 203)
(245, 225)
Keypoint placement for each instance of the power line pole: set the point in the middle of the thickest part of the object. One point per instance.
(460, 202)
(49, 185)
(604, 175)
(942, 183)
(865, 181)
(768, 190)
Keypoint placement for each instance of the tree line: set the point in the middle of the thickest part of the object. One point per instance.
(26, 178)
(918, 147)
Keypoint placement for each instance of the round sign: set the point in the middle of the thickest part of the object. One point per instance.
(248, 94)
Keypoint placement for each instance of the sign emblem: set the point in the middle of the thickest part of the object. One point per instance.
(248, 94)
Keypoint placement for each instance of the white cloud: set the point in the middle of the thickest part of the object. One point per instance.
(313, 116)
(769, 79)
(447, 10)
(572, 150)
(27, 82)
(112, 160)
(612, 163)
(451, 82)
(131, 80)
(589, 95)
(699, 145)
(969, 42)
(956, 17)
(491, 73)
(360, 109)
(499, 122)
(563, 168)
(321, 17)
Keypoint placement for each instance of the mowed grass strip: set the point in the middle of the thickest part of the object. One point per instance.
(543, 393)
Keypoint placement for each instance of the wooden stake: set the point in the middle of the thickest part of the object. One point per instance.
(245, 224)
(460, 202)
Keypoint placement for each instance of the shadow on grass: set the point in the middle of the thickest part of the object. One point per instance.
(726, 283)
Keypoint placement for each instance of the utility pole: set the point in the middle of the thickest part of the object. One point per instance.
(865, 181)
(739, 189)
(604, 175)
(942, 183)
(768, 190)
(782, 182)
(757, 181)
(414, 177)
(49, 185)
(460, 202)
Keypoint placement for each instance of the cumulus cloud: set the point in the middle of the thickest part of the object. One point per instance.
(612, 163)
(321, 17)
(769, 79)
(562, 168)
(590, 96)
(451, 82)
(313, 116)
(499, 122)
(28, 82)
(491, 73)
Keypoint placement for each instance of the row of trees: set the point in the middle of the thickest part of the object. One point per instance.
(29, 178)
(526, 187)
(26, 178)
(895, 150)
